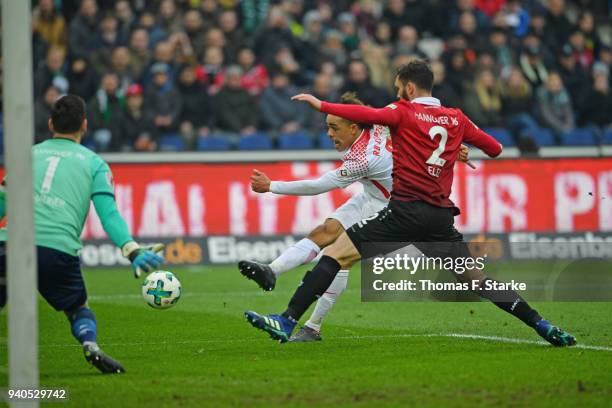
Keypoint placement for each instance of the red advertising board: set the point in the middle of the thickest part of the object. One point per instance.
(157, 200)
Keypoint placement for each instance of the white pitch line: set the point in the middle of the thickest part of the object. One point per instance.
(364, 337)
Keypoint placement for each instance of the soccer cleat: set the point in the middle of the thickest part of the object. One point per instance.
(304, 335)
(554, 335)
(101, 360)
(277, 326)
(261, 273)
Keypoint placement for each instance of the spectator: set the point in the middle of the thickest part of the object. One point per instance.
(42, 113)
(442, 89)
(197, 111)
(49, 24)
(532, 66)
(83, 28)
(573, 75)
(255, 77)
(554, 105)
(311, 40)
(347, 25)
(484, 105)
(140, 53)
(125, 18)
(382, 37)
(156, 34)
(164, 53)
(314, 121)
(358, 80)
(137, 129)
(53, 71)
(517, 105)
(459, 74)
(397, 15)
(538, 28)
(503, 53)
(407, 42)
(211, 71)
(169, 17)
(276, 112)
(120, 65)
(377, 61)
(82, 77)
(105, 113)
(163, 99)
(583, 55)
(285, 61)
(586, 25)
(210, 11)
(557, 22)
(195, 30)
(235, 108)
(276, 35)
(235, 41)
(468, 28)
(107, 39)
(597, 104)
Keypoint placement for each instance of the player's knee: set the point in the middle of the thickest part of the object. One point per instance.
(325, 234)
(343, 251)
(79, 311)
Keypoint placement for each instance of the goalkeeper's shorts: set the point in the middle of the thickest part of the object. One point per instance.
(60, 280)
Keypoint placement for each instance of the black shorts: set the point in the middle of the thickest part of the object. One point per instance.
(403, 222)
(60, 280)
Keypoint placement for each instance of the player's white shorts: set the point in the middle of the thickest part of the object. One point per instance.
(357, 208)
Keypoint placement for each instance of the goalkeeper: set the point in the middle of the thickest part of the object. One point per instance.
(66, 177)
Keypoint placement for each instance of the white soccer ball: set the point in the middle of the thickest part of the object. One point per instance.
(161, 289)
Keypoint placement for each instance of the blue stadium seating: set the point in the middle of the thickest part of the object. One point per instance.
(212, 142)
(543, 137)
(171, 143)
(325, 142)
(256, 141)
(579, 137)
(295, 141)
(607, 137)
(503, 136)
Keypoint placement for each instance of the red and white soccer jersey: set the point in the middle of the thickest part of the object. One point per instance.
(368, 161)
(426, 142)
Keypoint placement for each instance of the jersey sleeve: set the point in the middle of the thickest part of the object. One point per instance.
(389, 115)
(102, 178)
(112, 222)
(473, 135)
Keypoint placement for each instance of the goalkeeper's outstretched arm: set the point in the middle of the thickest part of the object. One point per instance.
(142, 258)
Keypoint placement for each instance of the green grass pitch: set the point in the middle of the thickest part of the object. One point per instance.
(203, 353)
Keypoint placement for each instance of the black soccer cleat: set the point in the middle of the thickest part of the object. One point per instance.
(261, 273)
(101, 360)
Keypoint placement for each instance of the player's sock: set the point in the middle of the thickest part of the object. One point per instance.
(511, 302)
(327, 301)
(314, 284)
(83, 323)
(303, 251)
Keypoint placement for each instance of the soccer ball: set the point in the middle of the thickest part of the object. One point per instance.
(161, 289)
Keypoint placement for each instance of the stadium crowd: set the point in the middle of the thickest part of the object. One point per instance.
(208, 74)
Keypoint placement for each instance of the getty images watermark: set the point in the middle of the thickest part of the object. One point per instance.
(457, 271)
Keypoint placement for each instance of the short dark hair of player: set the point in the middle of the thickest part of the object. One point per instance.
(68, 114)
(418, 72)
(350, 98)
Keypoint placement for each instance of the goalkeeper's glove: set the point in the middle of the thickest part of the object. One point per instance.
(143, 258)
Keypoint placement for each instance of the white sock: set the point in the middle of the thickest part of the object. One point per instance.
(298, 254)
(326, 302)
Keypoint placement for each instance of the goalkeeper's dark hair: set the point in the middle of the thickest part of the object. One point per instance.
(68, 114)
(418, 72)
(350, 98)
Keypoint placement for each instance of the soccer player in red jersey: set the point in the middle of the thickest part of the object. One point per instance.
(426, 141)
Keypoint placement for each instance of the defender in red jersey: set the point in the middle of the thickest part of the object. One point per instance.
(426, 141)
